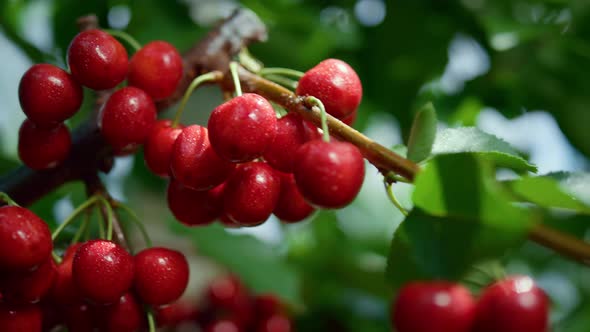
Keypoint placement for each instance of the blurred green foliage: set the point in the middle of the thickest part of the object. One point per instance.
(539, 58)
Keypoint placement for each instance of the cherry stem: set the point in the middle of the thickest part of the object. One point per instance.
(208, 77)
(4, 197)
(110, 217)
(135, 219)
(125, 37)
(393, 199)
(233, 68)
(392, 177)
(248, 61)
(89, 202)
(56, 257)
(288, 83)
(151, 323)
(315, 102)
(82, 228)
(281, 71)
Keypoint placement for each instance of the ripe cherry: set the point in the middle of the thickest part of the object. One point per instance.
(275, 323)
(223, 325)
(336, 84)
(20, 318)
(251, 193)
(43, 147)
(48, 95)
(267, 305)
(433, 306)
(127, 118)
(79, 317)
(292, 132)
(124, 315)
(64, 290)
(513, 304)
(194, 207)
(230, 298)
(158, 147)
(291, 206)
(29, 286)
(97, 60)
(156, 68)
(102, 271)
(194, 163)
(329, 174)
(161, 275)
(175, 313)
(25, 239)
(350, 119)
(243, 128)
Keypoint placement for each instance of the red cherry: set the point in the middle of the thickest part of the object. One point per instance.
(291, 206)
(275, 323)
(127, 118)
(227, 222)
(64, 290)
(157, 151)
(251, 193)
(513, 304)
(228, 297)
(267, 305)
(49, 95)
(243, 128)
(292, 132)
(175, 313)
(224, 325)
(97, 60)
(161, 275)
(41, 147)
(30, 286)
(79, 317)
(102, 271)
(194, 163)
(433, 306)
(336, 84)
(126, 315)
(193, 207)
(25, 318)
(156, 68)
(25, 239)
(329, 174)
(350, 119)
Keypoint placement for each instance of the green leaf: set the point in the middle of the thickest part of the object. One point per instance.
(473, 140)
(400, 149)
(258, 264)
(422, 134)
(461, 217)
(557, 190)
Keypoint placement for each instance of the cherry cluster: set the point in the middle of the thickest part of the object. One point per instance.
(97, 284)
(229, 307)
(247, 164)
(49, 95)
(513, 304)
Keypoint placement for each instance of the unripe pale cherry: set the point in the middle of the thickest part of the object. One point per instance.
(103, 271)
(513, 304)
(433, 306)
(242, 128)
(157, 150)
(43, 147)
(194, 163)
(49, 95)
(25, 239)
(329, 174)
(127, 118)
(161, 275)
(336, 84)
(156, 68)
(194, 207)
(97, 60)
(251, 193)
(292, 132)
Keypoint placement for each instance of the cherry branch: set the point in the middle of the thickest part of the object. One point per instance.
(386, 160)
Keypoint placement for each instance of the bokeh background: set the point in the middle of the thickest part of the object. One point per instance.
(517, 69)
